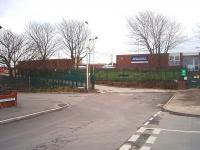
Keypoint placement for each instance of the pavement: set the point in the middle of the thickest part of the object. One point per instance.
(185, 102)
(112, 89)
(28, 107)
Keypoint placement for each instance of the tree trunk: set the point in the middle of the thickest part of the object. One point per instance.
(10, 72)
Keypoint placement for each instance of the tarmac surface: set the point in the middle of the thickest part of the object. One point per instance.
(93, 121)
(114, 118)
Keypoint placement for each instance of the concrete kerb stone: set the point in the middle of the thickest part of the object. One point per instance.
(32, 115)
(167, 109)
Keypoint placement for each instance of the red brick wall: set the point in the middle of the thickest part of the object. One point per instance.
(51, 64)
(124, 61)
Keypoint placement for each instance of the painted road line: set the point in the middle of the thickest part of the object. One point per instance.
(151, 118)
(151, 139)
(146, 123)
(125, 147)
(156, 114)
(145, 148)
(133, 138)
(156, 131)
(141, 130)
(181, 131)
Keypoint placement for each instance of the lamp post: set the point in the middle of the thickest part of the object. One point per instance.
(88, 51)
(1, 27)
(87, 71)
(92, 50)
(93, 39)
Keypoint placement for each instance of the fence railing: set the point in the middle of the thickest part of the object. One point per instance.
(45, 79)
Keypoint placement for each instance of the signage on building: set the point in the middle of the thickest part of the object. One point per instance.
(136, 59)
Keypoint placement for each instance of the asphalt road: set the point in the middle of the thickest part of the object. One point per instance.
(93, 122)
(177, 132)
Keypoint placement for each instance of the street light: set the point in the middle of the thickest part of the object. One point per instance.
(93, 39)
(88, 51)
(1, 27)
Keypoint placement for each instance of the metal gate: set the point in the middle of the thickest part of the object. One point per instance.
(194, 79)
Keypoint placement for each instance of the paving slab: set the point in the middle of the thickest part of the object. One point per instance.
(112, 89)
(27, 105)
(185, 102)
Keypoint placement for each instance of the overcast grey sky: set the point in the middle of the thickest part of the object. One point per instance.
(107, 18)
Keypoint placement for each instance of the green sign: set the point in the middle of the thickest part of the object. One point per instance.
(183, 72)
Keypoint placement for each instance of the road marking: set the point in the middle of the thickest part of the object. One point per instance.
(156, 114)
(125, 147)
(146, 123)
(151, 118)
(183, 131)
(170, 130)
(156, 131)
(151, 139)
(141, 130)
(145, 148)
(133, 138)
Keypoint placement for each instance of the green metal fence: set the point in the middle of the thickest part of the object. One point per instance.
(72, 78)
(193, 79)
(45, 79)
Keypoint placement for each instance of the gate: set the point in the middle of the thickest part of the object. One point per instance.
(194, 79)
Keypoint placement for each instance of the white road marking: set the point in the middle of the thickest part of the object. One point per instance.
(145, 148)
(151, 118)
(151, 139)
(133, 138)
(169, 130)
(183, 131)
(125, 147)
(156, 114)
(156, 131)
(146, 123)
(141, 130)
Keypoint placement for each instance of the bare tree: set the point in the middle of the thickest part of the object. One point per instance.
(42, 39)
(12, 50)
(75, 36)
(156, 33)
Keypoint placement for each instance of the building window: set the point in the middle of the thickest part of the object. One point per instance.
(174, 60)
(191, 62)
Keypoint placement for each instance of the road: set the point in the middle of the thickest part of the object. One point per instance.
(94, 121)
(176, 132)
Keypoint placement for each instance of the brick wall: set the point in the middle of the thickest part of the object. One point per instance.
(51, 64)
(124, 61)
